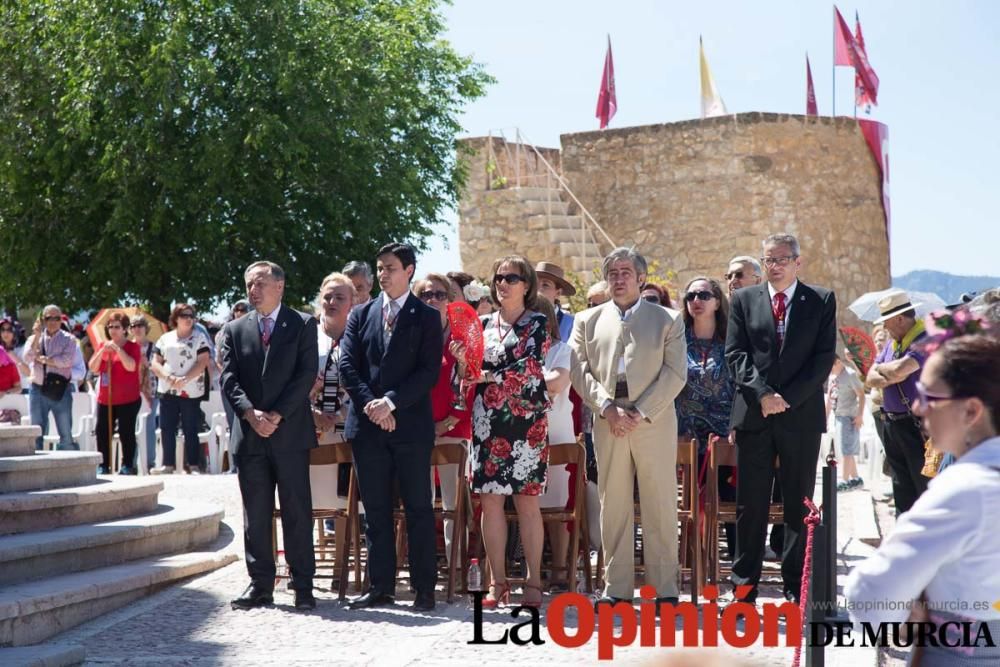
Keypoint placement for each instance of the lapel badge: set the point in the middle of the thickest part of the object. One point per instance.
(284, 324)
(802, 298)
(412, 310)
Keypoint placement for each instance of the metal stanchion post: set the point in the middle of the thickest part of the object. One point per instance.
(829, 553)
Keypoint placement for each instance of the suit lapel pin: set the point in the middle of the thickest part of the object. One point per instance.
(412, 310)
(802, 298)
(284, 324)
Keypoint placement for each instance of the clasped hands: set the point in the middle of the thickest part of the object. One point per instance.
(621, 420)
(773, 404)
(379, 412)
(263, 423)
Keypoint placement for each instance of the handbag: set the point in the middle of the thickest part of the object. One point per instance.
(53, 384)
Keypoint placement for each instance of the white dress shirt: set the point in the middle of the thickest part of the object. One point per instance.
(789, 292)
(946, 546)
(385, 314)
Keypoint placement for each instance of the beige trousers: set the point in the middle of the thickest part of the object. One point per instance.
(649, 453)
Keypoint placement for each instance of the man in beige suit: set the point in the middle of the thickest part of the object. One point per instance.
(632, 364)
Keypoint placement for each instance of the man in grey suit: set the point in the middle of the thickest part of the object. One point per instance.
(269, 364)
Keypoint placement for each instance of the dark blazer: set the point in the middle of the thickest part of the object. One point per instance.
(277, 380)
(797, 371)
(405, 372)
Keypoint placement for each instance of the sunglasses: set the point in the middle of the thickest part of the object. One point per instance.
(652, 298)
(431, 295)
(111, 327)
(509, 278)
(927, 398)
(53, 318)
(137, 326)
(240, 310)
(703, 295)
(734, 274)
(185, 316)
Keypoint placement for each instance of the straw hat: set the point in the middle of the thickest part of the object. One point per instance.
(893, 304)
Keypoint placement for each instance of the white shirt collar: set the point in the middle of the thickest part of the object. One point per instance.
(787, 292)
(399, 301)
(273, 314)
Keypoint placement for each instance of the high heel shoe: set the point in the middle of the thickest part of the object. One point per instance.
(499, 595)
(535, 604)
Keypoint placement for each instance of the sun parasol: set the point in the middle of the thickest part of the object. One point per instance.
(861, 348)
(866, 305)
(95, 330)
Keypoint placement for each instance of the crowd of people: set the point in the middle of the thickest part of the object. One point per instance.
(753, 358)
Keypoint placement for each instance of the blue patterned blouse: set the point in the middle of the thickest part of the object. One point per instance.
(705, 403)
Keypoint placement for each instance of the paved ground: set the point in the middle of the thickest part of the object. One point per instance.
(192, 624)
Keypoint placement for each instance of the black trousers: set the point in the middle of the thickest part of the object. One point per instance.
(258, 475)
(380, 461)
(124, 417)
(904, 450)
(755, 454)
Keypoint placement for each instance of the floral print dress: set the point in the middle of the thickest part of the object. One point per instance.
(510, 427)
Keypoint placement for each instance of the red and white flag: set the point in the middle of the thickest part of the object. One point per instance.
(810, 91)
(607, 104)
(847, 52)
(861, 97)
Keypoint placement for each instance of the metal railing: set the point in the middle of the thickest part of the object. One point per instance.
(538, 172)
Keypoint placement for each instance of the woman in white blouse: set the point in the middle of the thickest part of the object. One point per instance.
(946, 549)
(557, 383)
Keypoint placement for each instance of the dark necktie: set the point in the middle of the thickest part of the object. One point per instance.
(778, 310)
(265, 335)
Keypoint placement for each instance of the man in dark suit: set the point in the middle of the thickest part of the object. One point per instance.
(780, 347)
(269, 364)
(390, 360)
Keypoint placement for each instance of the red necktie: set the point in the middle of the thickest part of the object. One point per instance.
(265, 335)
(778, 310)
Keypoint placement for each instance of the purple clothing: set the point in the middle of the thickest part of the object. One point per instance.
(891, 400)
(61, 348)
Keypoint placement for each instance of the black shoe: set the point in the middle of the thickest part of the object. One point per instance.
(609, 600)
(304, 600)
(424, 601)
(667, 600)
(254, 596)
(372, 599)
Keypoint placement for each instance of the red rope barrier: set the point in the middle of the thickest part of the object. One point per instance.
(811, 521)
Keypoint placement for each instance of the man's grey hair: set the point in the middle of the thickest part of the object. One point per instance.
(747, 259)
(357, 268)
(782, 239)
(51, 308)
(622, 253)
(276, 271)
(600, 287)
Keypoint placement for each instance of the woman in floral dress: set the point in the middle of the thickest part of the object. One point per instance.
(510, 428)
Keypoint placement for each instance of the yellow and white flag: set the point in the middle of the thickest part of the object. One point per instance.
(711, 101)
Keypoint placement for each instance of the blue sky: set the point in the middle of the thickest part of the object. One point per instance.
(939, 65)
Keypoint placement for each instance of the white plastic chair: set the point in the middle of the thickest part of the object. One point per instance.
(84, 422)
(17, 402)
(214, 437)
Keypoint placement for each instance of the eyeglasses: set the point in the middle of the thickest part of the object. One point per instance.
(927, 398)
(734, 274)
(652, 298)
(137, 326)
(53, 318)
(432, 295)
(185, 316)
(703, 295)
(777, 261)
(509, 278)
(111, 327)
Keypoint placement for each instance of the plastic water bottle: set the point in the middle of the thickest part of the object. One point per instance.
(475, 576)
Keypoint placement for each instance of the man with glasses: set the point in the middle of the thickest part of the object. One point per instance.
(51, 351)
(632, 365)
(390, 360)
(743, 271)
(895, 372)
(780, 347)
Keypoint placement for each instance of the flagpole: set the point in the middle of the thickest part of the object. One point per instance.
(834, 68)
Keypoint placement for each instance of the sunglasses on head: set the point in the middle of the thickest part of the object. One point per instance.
(735, 274)
(703, 295)
(509, 278)
(431, 295)
(652, 298)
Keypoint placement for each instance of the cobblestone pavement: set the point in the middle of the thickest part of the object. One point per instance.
(192, 623)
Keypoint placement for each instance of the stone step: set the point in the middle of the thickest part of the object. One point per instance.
(48, 470)
(569, 236)
(538, 194)
(579, 265)
(576, 249)
(47, 655)
(78, 548)
(17, 440)
(545, 207)
(570, 222)
(111, 498)
(34, 611)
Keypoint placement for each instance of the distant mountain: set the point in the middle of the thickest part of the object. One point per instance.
(947, 286)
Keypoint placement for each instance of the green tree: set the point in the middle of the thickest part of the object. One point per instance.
(149, 149)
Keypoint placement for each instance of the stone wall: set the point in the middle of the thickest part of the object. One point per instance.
(695, 193)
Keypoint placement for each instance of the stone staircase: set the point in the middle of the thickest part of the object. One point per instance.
(74, 546)
(546, 210)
